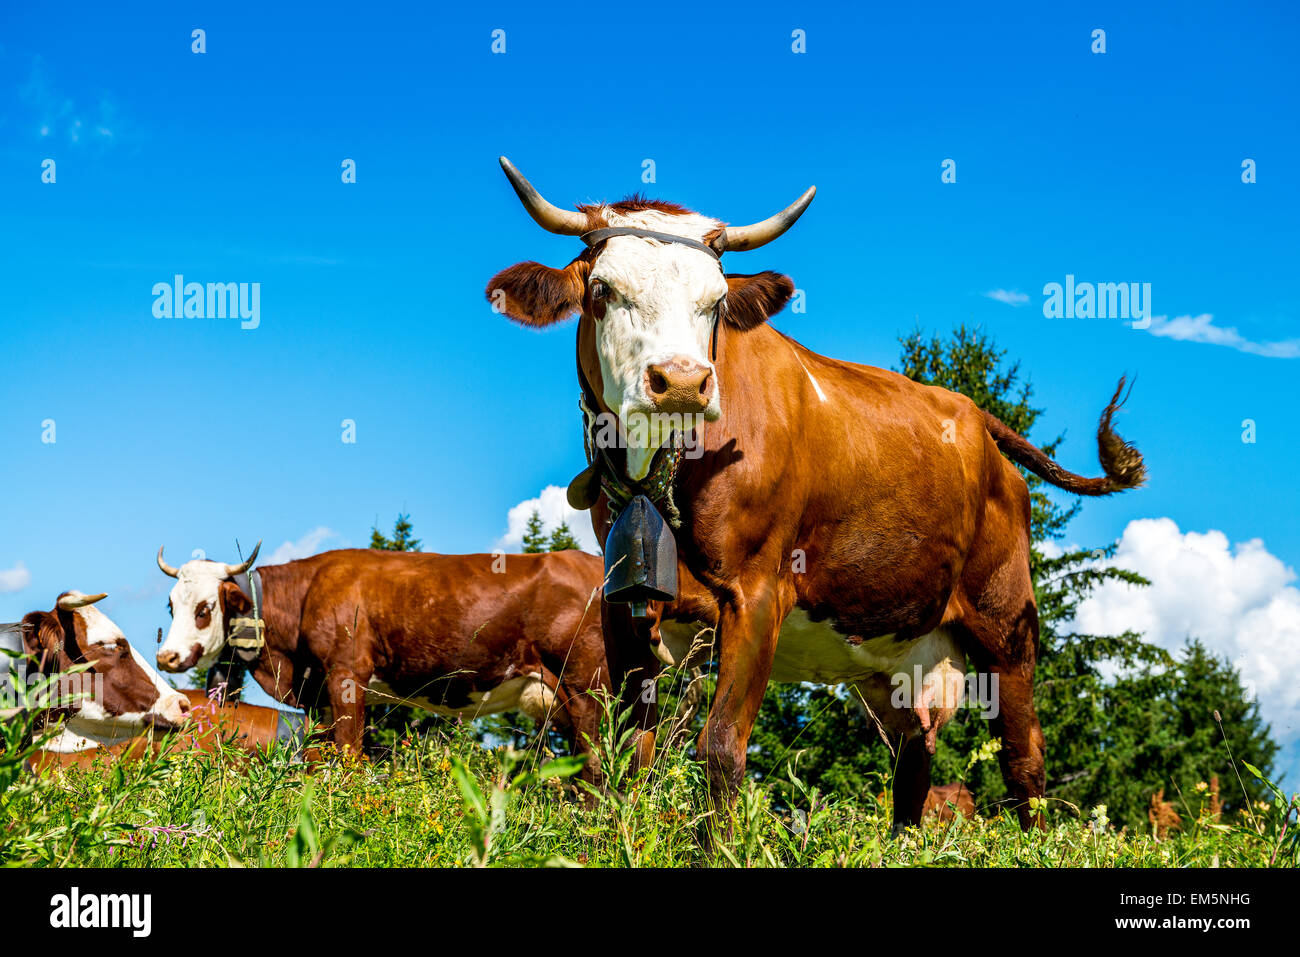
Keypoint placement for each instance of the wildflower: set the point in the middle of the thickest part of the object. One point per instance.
(1099, 821)
(1202, 786)
(1037, 805)
(445, 765)
(984, 752)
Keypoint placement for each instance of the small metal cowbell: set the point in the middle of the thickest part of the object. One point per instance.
(640, 558)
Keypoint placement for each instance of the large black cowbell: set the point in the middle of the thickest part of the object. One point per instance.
(640, 557)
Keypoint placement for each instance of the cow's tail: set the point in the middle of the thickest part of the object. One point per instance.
(1120, 460)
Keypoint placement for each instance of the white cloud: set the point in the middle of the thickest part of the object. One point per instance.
(14, 579)
(553, 508)
(1202, 329)
(1012, 297)
(309, 544)
(1240, 602)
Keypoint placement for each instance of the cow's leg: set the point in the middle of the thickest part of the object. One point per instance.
(347, 677)
(633, 671)
(748, 627)
(1005, 651)
(1023, 745)
(909, 748)
(911, 780)
(583, 712)
(347, 706)
(1001, 623)
(578, 713)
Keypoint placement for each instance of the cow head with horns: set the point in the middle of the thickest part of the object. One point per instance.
(651, 279)
(103, 684)
(202, 602)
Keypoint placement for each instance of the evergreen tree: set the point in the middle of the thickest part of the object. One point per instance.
(534, 534)
(401, 540)
(562, 539)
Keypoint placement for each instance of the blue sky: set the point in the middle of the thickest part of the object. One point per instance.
(225, 167)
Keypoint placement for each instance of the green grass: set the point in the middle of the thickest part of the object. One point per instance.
(445, 801)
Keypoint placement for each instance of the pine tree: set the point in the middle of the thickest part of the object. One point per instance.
(401, 540)
(534, 534)
(562, 539)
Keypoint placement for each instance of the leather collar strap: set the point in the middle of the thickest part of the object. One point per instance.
(248, 635)
(600, 235)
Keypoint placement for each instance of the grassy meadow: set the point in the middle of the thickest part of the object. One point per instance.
(444, 800)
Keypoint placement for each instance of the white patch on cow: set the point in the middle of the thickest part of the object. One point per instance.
(663, 308)
(527, 693)
(680, 641)
(82, 733)
(815, 651)
(198, 581)
(815, 384)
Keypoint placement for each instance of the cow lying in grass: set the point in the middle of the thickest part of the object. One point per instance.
(92, 689)
(212, 724)
(463, 635)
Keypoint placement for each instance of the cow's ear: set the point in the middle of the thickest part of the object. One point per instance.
(752, 300)
(42, 634)
(537, 295)
(233, 600)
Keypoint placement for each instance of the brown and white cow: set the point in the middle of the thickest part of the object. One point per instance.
(99, 691)
(841, 524)
(461, 635)
(212, 722)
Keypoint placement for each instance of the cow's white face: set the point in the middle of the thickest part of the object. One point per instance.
(659, 302)
(198, 628)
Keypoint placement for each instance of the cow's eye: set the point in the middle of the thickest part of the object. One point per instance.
(600, 291)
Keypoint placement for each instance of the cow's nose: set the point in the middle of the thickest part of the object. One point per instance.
(169, 661)
(175, 709)
(679, 385)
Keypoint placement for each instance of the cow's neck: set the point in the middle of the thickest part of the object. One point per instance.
(280, 605)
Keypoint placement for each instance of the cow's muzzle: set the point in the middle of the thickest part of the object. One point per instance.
(679, 385)
(170, 712)
(173, 662)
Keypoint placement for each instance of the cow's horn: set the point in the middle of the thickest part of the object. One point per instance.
(167, 569)
(69, 602)
(566, 222)
(741, 238)
(233, 570)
